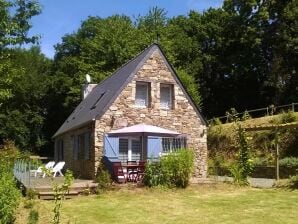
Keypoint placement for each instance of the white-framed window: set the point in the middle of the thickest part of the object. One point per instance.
(173, 144)
(142, 94)
(166, 96)
(130, 149)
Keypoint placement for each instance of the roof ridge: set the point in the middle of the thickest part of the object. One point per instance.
(126, 63)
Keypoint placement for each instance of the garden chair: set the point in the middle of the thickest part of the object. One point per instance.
(141, 171)
(118, 172)
(49, 165)
(56, 169)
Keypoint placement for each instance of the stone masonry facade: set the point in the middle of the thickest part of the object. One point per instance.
(123, 112)
(182, 118)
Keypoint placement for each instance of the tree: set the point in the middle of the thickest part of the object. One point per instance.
(14, 25)
(153, 23)
(22, 116)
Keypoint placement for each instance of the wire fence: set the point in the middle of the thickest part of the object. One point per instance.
(260, 112)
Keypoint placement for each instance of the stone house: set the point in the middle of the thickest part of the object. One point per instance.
(144, 90)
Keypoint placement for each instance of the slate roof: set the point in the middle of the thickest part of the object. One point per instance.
(105, 93)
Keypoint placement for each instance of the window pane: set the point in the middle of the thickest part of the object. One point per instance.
(136, 150)
(141, 94)
(165, 96)
(123, 150)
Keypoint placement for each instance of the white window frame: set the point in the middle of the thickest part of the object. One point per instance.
(137, 104)
(169, 105)
(129, 146)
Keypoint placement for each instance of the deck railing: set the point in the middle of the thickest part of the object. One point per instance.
(22, 172)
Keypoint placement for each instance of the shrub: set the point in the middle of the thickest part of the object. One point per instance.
(289, 162)
(9, 197)
(154, 175)
(103, 178)
(33, 217)
(9, 193)
(294, 181)
(237, 174)
(287, 117)
(8, 154)
(245, 116)
(173, 169)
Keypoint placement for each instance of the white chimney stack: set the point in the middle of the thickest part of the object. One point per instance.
(88, 87)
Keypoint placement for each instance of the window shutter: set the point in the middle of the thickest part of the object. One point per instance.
(154, 147)
(111, 147)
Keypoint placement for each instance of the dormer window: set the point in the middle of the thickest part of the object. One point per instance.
(142, 94)
(166, 96)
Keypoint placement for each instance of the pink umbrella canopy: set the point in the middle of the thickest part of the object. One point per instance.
(143, 130)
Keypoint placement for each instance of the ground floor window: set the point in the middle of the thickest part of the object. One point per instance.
(81, 146)
(173, 144)
(130, 149)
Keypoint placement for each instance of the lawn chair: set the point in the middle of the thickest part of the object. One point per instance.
(49, 165)
(56, 169)
(118, 172)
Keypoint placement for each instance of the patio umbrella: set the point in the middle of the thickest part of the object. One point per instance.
(143, 130)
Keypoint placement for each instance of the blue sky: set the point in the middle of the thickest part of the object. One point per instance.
(60, 17)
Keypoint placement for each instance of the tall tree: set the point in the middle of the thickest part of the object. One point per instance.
(14, 25)
(22, 116)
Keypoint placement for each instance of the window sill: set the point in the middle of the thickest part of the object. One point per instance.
(165, 108)
(140, 107)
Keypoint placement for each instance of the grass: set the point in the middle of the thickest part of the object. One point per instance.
(196, 204)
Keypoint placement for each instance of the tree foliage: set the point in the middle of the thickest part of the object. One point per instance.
(14, 26)
(242, 55)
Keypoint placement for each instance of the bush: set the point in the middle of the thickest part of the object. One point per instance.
(286, 117)
(173, 170)
(236, 172)
(103, 178)
(289, 162)
(154, 175)
(294, 181)
(9, 193)
(9, 197)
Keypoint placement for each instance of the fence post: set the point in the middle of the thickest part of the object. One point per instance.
(293, 107)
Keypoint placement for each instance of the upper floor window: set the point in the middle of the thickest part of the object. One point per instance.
(142, 94)
(166, 96)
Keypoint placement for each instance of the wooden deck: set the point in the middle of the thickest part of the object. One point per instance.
(44, 186)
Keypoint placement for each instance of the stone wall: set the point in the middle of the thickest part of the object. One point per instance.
(182, 118)
(80, 168)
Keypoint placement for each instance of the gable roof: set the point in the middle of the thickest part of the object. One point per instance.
(105, 93)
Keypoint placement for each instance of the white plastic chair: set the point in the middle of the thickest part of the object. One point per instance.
(49, 165)
(57, 169)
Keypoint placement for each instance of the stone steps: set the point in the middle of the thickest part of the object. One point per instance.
(49, 195)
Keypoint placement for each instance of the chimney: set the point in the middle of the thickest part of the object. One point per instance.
(87, 88)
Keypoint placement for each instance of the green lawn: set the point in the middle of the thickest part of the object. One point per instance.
(199, 204)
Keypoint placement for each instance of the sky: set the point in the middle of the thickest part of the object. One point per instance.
(60, 17)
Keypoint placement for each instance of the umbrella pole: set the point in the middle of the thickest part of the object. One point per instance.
(143, 147)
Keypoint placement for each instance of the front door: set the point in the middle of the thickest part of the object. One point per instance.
(130, 149)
